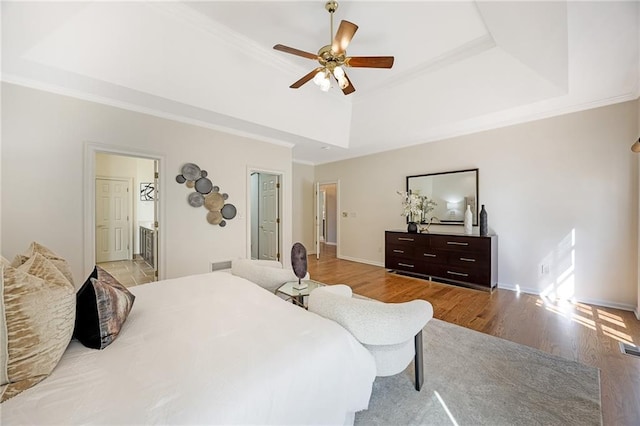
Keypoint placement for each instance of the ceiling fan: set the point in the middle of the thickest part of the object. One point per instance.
(333, 57)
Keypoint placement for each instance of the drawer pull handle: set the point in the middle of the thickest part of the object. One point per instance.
(430, 255)
(455, 243)
(405, 264)
(464, 259)
(405, 239)
(398, 251)
(457, 273)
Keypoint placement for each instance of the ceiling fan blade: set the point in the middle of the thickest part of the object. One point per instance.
(296, 52)
(305, 79)
(349, 89)
(343, 37)
(369, 61)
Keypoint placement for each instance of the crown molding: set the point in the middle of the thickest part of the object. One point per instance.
(103, 100)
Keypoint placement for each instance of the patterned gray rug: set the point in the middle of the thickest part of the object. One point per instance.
(472, 378)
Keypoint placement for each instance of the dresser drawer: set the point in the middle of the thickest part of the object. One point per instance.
(404, 239)
(469, 259)
(401, 250)
(431, 256)
(480, 276)
(455, 242)
(407, 265)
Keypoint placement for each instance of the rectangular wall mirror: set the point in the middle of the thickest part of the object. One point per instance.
(451, 191)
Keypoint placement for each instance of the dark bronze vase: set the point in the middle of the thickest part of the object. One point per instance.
(412, 228)
(484, 227)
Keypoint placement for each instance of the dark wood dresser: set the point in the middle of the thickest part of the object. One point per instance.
(469, 260)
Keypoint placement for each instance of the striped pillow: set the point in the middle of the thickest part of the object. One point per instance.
(37, 313)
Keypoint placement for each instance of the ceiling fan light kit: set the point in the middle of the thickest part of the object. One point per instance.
(333, 57)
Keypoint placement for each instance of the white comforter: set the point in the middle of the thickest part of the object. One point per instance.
(206, 349)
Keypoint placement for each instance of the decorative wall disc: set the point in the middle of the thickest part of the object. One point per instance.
(180, 179)
(214, 217)
(223, 223)
(203, 173)
(204, 185)
(225, 196)
(191, 171)
(213, 201)
(195, 199)
(190, 184)
(228, 211)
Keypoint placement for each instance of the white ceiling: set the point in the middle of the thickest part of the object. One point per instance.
(460, 67)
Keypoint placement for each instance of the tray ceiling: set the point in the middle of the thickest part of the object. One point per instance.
(460, 67)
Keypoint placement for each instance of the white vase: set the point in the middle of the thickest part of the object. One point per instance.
(468, 221)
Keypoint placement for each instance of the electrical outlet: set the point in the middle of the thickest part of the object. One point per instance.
(544, 269)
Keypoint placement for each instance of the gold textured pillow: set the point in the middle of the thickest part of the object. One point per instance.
(37, 315)
(58, 261)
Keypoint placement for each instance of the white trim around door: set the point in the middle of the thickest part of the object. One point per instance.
(89, 176)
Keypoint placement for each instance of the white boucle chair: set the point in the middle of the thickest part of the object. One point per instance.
(268, 274)
(392, 332)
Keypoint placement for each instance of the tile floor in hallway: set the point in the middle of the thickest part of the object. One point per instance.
(130, 272)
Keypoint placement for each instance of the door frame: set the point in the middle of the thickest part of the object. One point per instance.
(316, 190)
(129, 210)
(89, 193)
(281, 176)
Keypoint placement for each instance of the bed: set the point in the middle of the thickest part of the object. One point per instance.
(206, 349)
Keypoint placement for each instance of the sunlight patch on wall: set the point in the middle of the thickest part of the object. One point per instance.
(557, 270)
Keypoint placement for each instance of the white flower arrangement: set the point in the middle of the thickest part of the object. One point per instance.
(414, 205)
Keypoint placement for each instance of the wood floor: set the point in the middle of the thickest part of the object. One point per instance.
(580, 332)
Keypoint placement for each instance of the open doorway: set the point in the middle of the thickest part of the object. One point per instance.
(126, 217)
(326, 219)
(265, 208)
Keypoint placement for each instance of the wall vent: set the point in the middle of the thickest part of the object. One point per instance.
(219, 266)
(629, 349)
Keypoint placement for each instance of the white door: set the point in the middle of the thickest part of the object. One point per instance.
(268, 243)
(112, 220)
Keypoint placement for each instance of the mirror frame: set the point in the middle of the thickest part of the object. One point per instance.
(455, 223)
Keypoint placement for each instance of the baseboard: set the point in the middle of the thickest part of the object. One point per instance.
(365, 261)
(330, 244)
(596, 302)
(637, 312)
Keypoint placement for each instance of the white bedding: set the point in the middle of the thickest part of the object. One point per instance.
(205, 349)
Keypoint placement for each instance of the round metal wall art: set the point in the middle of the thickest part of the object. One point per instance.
(204, 185)
(206, 195)
(195, 199)
(191, 171)
(228, 211)
(213, 201)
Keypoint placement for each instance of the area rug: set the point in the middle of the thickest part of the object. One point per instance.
(472, 378)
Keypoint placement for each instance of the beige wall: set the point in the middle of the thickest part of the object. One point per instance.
(44, 137)
(303, 209)
(562, 192)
